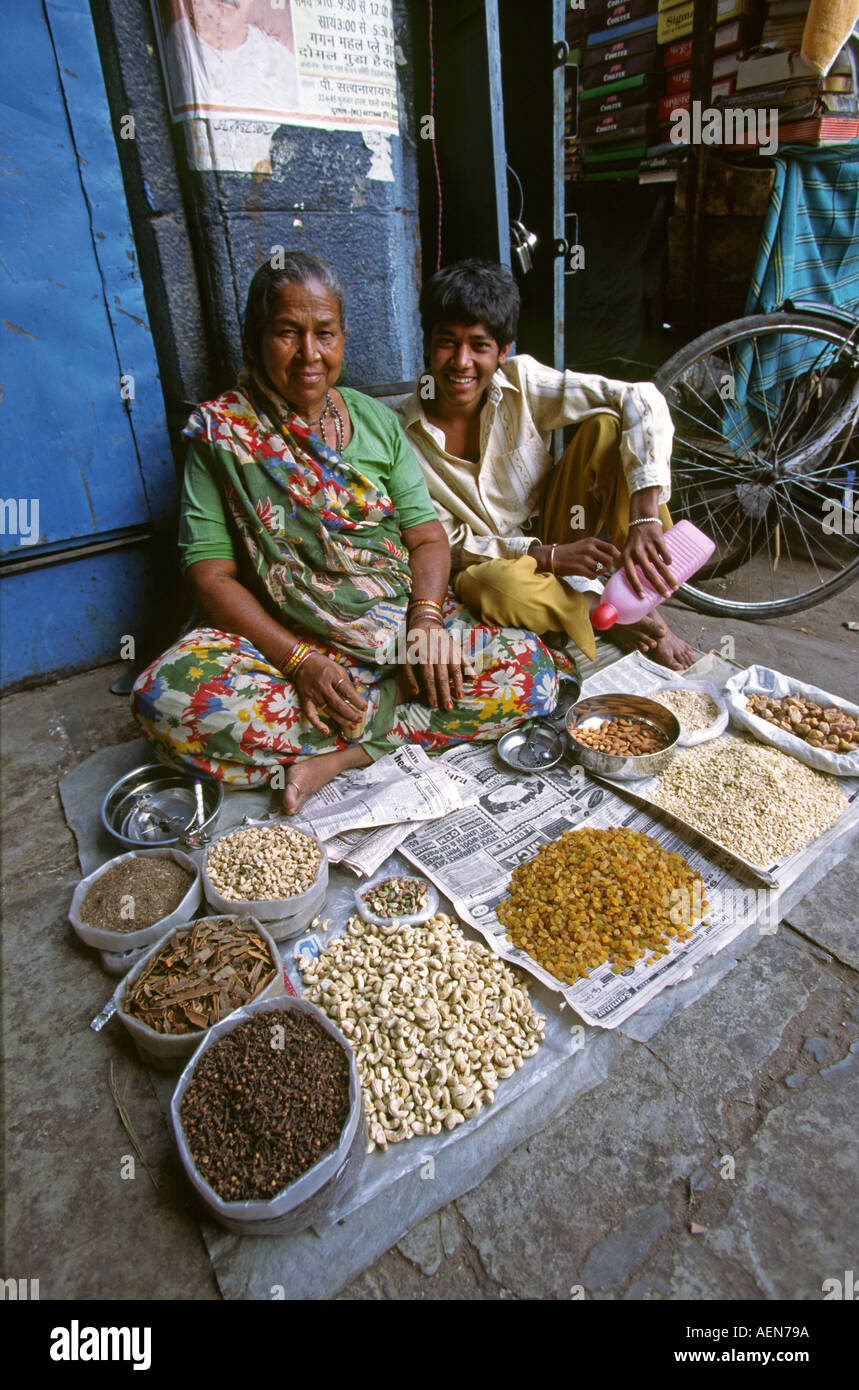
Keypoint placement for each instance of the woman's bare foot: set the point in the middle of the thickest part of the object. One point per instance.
(306, 777)
(652, 636)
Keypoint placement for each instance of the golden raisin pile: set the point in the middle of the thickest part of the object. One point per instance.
(599, 895)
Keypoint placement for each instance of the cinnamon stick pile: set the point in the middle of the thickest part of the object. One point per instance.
(199, 976)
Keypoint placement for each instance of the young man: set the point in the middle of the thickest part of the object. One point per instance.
(481, 430)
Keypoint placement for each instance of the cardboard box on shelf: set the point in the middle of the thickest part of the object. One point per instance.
(677, 22)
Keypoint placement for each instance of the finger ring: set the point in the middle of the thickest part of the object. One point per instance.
(337, 685)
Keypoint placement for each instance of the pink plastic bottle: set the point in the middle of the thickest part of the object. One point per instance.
(689, 549)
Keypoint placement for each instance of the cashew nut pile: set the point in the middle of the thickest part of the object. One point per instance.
(436, 1022)
(263, 863)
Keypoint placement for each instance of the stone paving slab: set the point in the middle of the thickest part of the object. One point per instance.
(830, 915)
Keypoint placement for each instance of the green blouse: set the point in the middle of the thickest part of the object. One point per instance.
(378, 448)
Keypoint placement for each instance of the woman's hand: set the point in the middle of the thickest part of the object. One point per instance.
(439, 657)
(589, 557)
(325, 684)
(645, 550)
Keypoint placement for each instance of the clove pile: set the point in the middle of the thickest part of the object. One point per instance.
(266, 1101)
(199, 976)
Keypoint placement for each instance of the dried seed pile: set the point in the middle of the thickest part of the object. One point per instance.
(266, 1101)
(262, 863)
(594, 896)
(436, 1021)
(820, 726)
(135, 894)
(693, 708)
(627, 738)
(757, 801)
(396, 897)
(199, 977)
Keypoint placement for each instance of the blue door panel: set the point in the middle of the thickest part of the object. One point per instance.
(73, 315)
(72, 616)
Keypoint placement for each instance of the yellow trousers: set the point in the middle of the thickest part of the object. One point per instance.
(514, 593)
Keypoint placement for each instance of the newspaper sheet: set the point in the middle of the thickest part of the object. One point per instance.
(364, 853)
(399, 791)
(472, 853)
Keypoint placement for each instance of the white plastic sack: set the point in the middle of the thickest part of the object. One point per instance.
(120, 943)
(167, 1050)
(761, 680)
(308, 1198)
(404, 919)
(720, 723)
(284, 917)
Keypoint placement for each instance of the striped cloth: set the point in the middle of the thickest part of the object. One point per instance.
(809, 249)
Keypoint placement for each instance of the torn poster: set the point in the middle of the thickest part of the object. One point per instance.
(235, 70)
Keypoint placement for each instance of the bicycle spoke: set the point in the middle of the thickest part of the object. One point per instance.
(834, 559)
(801, 419)
(763, 396)
(850, 541)
(801, 528)
(806, 375)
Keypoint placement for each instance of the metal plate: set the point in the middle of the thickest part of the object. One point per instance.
(157, 805)
(533, 749)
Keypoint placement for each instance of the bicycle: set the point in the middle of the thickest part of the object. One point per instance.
(765, 458)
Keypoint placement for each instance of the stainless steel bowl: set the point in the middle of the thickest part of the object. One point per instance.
(595, 709)
(158, 805)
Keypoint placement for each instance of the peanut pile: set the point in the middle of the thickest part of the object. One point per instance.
(627, 738)
(820, 726)
(436, 1021)
(262, 863)
(594, 896)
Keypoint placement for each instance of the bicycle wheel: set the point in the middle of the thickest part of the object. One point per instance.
(766, 460)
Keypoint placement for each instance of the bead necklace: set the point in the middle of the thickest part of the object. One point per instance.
(331, 412)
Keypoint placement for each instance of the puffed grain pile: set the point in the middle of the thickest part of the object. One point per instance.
(693, 708)
(758, 802)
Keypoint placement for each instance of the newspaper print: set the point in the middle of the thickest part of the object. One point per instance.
(471, 855)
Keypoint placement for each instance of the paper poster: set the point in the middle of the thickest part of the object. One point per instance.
(237, 69)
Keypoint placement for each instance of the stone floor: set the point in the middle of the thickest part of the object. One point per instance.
(717, 1160)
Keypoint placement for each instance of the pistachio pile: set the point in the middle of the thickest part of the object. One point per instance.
(817, 725)
(263, 863)
(396, 897)
(436, 1021)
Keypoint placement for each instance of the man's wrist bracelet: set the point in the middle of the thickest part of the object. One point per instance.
(646, 520)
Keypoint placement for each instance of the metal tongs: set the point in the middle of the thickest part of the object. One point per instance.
(189, 833)
(545, 742)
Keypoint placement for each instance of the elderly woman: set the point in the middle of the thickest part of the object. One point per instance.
(314, 554)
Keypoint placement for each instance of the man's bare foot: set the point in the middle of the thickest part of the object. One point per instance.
(306, 777)
(653, 637)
